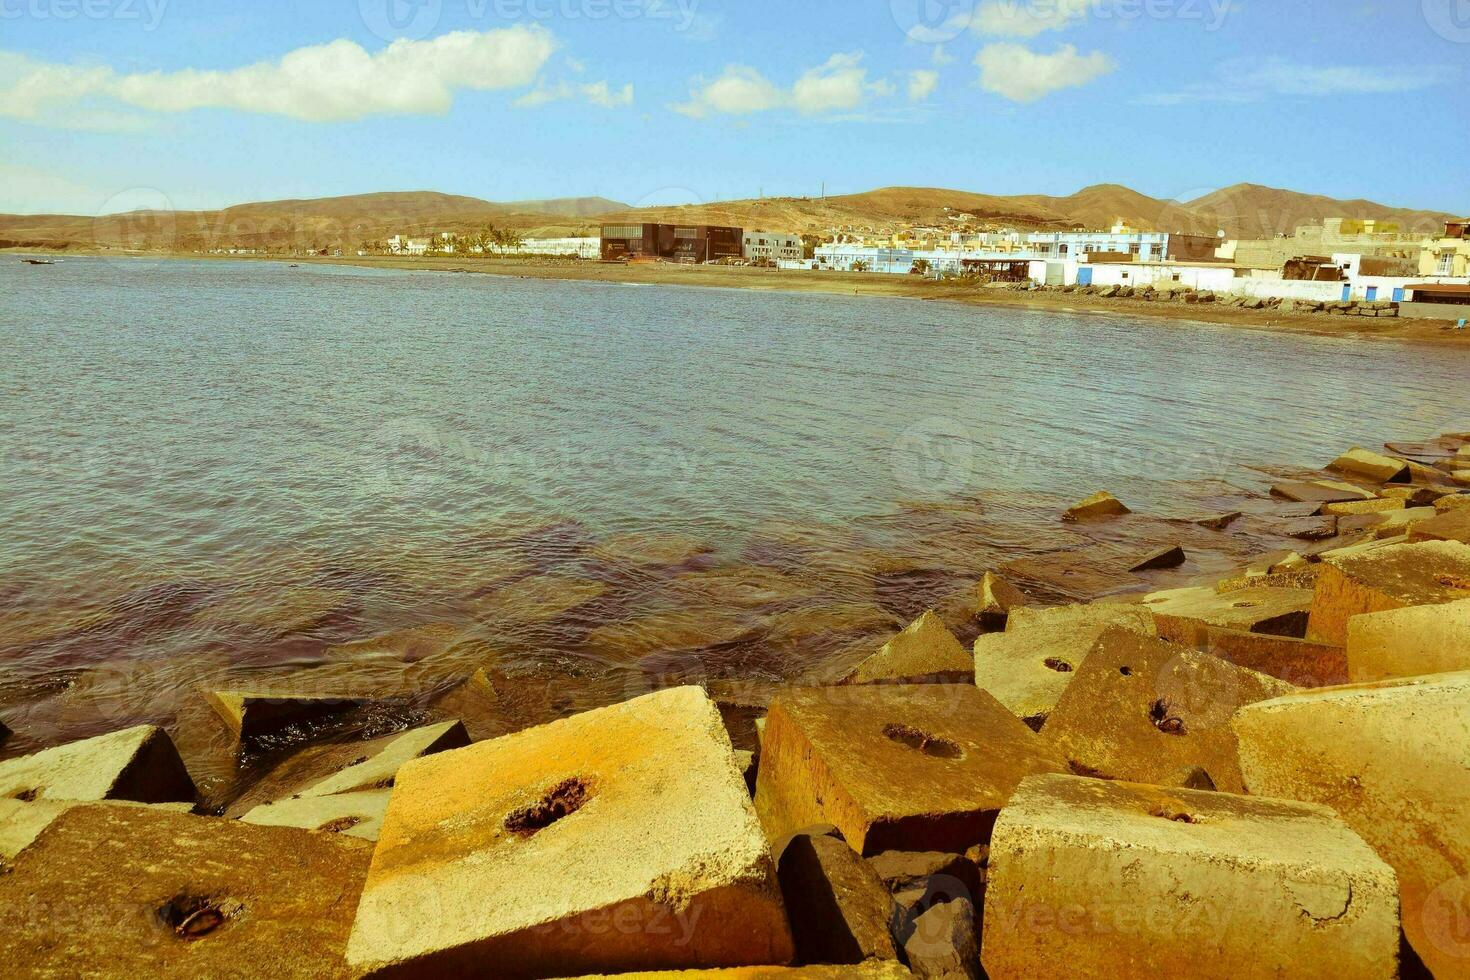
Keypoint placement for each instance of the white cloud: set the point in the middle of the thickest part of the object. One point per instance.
(328, 82)
(597, 93)
(1027, 18)
(1015, 72)
(1258, 79)
(922, 84)
(839, 85)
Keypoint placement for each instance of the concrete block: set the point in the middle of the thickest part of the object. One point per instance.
(919, 768)
(1377, 505)
(872, 970)
(1454, 501)
(1101, 504)
(1371, 465)
(139, 764)
(1183, 615)
(840, 910)
(1096, 879)
(21, 823)
(1169, 556)
(1393, 759)
(996, 598)
(1319, 491)
(1299, 662)
(1143, 710)
(254, 717)
(115, 891)
(615, 840)
(355, 814)
(925, 651)
(1450, 525)
(1409, 642)
(1427, 573)
(1027, 667)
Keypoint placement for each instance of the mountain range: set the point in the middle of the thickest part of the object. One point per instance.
(1240, 211)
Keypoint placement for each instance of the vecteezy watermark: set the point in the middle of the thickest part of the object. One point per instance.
(1450, 19)
(935, 455)
(932, 21)
(136, 223)
(938, 21)
(1445, 918)
(148, 13)
(417, 19)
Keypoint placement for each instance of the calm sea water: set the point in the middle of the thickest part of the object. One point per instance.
(222, 472)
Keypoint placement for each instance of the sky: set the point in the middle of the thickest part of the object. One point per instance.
(108, 105)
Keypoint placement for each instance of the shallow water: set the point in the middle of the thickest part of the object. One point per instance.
(226, 473)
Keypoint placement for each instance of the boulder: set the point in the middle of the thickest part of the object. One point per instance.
(1409, 642)
(1102, 504)
(355, 814)
(1377, 505)
(137, 892)
(138, 764)
(1142, 709)
(1182, 615)
(924, 652)
(1087, 875)
(918, 768)
(945, 942)
(1370, 465)
(1393, 759)
(616, 840)
(996, 598)
(1287, 658)
(839, 909)
(1319, 491)
(1169, 556)
(257, 717)
(925, 873)
(1027, 667)
(1392, 577)
(1450, 525)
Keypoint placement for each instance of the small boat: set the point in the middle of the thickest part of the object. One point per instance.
(39, 261)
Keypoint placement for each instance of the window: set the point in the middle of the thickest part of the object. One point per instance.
(686, 232)
(622, 231)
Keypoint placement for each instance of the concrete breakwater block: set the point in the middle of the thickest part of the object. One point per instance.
(616, 840)
(925, 651)
(1409, 642)
(918, 768)
(1097, 879)
(138, 764)
(1393, 577)
(1027, 667)
(871, 970)
(1147, 711)
(1447, 525)
(254, 716)
(841, 911)
(355, 814)
(1393, 759)
(1319, 491)
(1370, 465)
(1099, 505)
(21, 823)
(995, 598)
(115, 891)
(1296, 661)
(1183, 615)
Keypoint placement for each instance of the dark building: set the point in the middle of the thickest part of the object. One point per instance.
(675, 243)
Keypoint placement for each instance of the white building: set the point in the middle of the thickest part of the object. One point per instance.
(582, 248)
(401, 245)
(773, 246)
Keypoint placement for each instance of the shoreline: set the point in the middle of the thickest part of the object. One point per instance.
(869, 285)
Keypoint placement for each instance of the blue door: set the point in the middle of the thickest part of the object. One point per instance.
(1347, 293)
(1084, 277)
(1372, 293)
(1398, 295)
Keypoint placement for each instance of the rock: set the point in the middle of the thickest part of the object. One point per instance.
(650, 549)
(1101, 504)
(4, 731)
(540, 599)
(1451, 525)
(135, 892)
(21, 823)
(1183, 614)
(872, 970)
(1396, 522)
(138, 764)
(1028, 667)
(1375, 506)
(1374, 466)
(256, 717)
(1462, 477)
(1317, 528)
(945, 942)
(1072, 574)
(1454, 501)
(1287, 658)
(746, 761)
(1219, 522)
(477, 704)
(1086, 875)
(355, 814)
(1319, 491)
(918, 768)
(996, 599)
(1409, 642)
(1392, 577)
(925, 872)
(1142, 709)
(612, 841)
(1169, 556)
(839, 909)
(925, 652)
(1393, 759)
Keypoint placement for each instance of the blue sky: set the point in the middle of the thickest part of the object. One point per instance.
(202, 103)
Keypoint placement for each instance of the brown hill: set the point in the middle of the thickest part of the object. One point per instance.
(1242, 211)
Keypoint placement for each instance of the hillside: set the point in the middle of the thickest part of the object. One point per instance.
(1242, 211)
